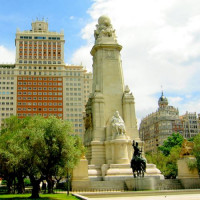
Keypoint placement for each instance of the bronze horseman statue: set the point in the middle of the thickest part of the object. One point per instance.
(138, 163)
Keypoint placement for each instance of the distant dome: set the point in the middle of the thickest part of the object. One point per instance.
(162, 101)
(104, 20)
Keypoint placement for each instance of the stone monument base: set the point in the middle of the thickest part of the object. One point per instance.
(183, 169)
(119, 172)
(142, 183)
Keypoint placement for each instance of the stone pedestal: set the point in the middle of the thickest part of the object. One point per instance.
(80, 172)
(117, 150)
(80, 178)
(145, 183)
(183, 169)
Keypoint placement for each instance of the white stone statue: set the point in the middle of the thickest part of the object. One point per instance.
(118, 125)
(104, 28)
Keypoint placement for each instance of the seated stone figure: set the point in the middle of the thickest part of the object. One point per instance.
(117, 123)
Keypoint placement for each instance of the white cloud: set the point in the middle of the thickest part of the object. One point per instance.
(161, 46)
(6, 55)
(175, 100)
(71, 17)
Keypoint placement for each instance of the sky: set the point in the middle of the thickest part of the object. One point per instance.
(160, 39)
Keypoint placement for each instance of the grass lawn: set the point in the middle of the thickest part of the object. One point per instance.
(42, 196)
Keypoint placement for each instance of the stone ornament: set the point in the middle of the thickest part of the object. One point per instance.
(104, 28)
(187, 148)
(88, 121)
(118, 125)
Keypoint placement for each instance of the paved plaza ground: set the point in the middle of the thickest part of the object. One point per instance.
(145, 195)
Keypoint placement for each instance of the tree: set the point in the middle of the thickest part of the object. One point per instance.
(171, 170)
(175, 140)
(196, 151)
(167, 155)
(38, 147)
(10, 162)
(157, 158)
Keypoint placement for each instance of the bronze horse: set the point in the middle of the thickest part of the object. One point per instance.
(138, 164)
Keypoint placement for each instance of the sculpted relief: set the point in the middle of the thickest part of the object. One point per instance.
(117, 124)
(104, 28)
(88, 121)
(187, 148)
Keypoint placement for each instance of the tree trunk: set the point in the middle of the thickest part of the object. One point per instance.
(50, 184)
(58, 180)
(20, 184)
(36, 187)
(9, 185)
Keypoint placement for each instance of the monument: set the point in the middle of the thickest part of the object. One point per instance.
(110, 120)
(186, 157)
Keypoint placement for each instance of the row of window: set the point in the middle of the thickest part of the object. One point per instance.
(73, 99)
(39, 109)
(39, 67)
(6, 103)
(74, 109)
(7, 88)
(75, 94)
(7, 109)
(38, 62)
(39, 104)
(74, 120)
(46, 68)
(75, 115)
(40, 73)
(34, 114)
(6, 78)
(6, 72)
(7, 98)
(78, 130)
(73, 74)
(40, 53)
(73, 84)
(40, 57)
(72, 79)
(40, 47)
(6, 83)
(6, 93)
(73, 89)
(73, 104)
(6, 114)
(39, 93)
(39, 42)
(40, 88)
(41, 83)
(39, 98)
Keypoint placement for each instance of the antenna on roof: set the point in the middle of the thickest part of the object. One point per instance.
(161, 89)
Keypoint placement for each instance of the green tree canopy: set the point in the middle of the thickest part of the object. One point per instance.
(196, 151)
(175, 140)
(38, 147)
(167, 155)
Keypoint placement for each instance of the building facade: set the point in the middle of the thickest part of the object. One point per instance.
(77, 84)
(158, 126)
(40, 83)
(190, 123)
(7, 91)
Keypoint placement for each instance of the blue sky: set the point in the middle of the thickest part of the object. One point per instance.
(160, 39)
(67, 15)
